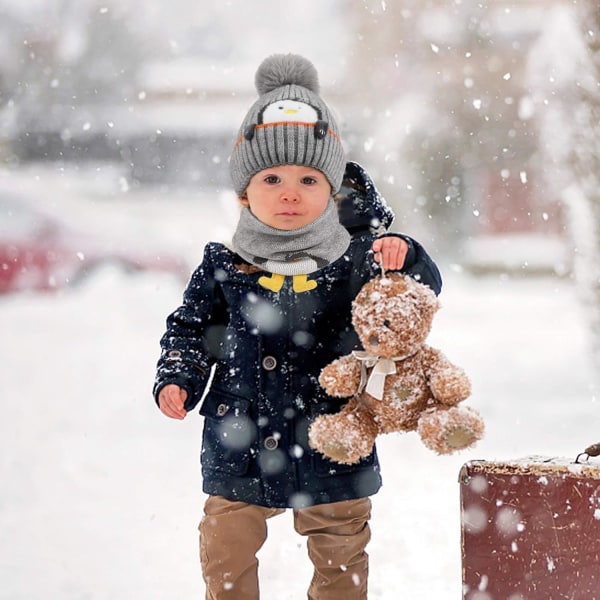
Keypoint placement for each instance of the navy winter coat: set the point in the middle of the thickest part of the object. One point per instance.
(262, 352)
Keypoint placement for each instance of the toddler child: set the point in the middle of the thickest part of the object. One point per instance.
(259, 319)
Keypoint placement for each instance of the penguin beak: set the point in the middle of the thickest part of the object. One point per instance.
(290, 111)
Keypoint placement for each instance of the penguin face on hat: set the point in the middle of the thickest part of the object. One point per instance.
(289, 110)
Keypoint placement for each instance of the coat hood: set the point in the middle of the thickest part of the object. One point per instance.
(361, 207)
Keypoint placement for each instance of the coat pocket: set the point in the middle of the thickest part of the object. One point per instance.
(324, 467)
(229, 433)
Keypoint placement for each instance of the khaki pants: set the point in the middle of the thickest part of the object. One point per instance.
(231, 533)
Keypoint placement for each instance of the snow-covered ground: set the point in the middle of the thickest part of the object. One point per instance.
(101, 494)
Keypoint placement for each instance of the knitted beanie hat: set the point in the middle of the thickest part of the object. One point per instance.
(289, 124)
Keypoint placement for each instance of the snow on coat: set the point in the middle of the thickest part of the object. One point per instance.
(252, 356)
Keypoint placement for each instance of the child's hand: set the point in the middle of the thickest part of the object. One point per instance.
(170, 401)
(391, 251)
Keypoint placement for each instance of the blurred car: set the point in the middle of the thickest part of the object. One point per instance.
(41, 252)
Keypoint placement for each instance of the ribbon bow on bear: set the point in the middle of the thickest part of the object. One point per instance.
(381, 367)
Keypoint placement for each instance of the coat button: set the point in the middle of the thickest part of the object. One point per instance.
(221, 409)
(269, 363)
(271, 443)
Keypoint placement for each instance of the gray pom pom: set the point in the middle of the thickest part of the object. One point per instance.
(283, 69)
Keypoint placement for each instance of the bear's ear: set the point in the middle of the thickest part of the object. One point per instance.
(249, 133)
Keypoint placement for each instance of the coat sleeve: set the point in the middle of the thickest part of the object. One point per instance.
(186, 356)
(419, 264)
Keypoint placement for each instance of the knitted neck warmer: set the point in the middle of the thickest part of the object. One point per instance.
(291, 252)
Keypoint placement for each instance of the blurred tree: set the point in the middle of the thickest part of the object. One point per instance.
(473, 143)
(565, 88)
(445, 81)
(70, 57)
(383, 76)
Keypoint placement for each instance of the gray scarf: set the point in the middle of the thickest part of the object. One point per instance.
(291, 252)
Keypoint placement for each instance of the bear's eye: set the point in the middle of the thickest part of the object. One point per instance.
(386, 323)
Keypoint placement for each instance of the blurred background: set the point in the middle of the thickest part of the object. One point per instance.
(478, 120)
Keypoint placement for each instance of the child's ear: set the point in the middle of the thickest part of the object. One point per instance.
(244, 200)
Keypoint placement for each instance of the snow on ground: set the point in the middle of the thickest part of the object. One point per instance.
(101, 494)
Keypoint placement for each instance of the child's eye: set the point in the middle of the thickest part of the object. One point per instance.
(308, 180)
(271, 179)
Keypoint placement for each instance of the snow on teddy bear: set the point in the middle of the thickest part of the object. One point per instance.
(398, 383)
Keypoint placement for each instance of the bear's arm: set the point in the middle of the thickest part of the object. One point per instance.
(341, 378)
(449, 384)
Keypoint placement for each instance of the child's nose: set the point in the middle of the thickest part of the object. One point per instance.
(290, 194)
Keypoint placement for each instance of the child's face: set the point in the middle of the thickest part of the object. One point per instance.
(287, 197)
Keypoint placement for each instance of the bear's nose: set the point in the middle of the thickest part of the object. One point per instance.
(373, 340)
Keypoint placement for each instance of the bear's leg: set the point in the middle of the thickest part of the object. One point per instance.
(344, 437)
(448, 430)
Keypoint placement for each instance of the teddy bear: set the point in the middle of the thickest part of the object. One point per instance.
(397, 383)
